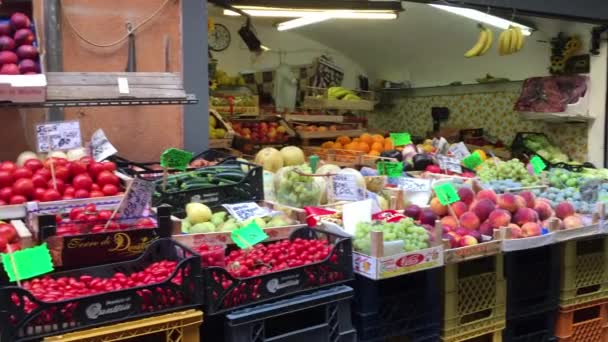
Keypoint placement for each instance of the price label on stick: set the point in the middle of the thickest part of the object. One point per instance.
(537, 164)
(446, 193)
(100, 146)
(391, 169)
(401, 139)
(58, 136)
(345, 188)
(472, 161)
(244, 211)
(28, 263)
(137, 199)
(415, 184)
(248, 236)
(174, 158)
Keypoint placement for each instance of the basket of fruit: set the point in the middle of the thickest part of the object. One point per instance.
(220, 131)
(310, 259)
(164, 279)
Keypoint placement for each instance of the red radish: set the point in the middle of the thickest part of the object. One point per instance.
(23, 187)
(8, 57)
(6, 179)
(5, 28)
(7, 43)
(17, 199)
(27, 52)
(20, 21)
(24, 36)
(51, 195)
(9, 69)
(33, 164)
(27, 66)
(6, 193)
(22, 172)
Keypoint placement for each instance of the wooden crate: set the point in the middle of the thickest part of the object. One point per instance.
(226, 142)
(239, 110)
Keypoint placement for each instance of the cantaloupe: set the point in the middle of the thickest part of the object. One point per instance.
(292, 155)
(270, 159)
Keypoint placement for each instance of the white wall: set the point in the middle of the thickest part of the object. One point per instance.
(595, 137)
(295, 49)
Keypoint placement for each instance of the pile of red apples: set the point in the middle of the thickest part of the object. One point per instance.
(18, 55)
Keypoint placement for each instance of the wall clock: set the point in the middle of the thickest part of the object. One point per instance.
(219, 38)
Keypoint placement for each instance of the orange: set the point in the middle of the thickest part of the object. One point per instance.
(388, 144)
(363, 147)
(374, 153)
(356, 140)
(343, 139)
(337, 146)
(328, 144)
(367, 138)
(378, 138)
(352, 146)
(377, 146)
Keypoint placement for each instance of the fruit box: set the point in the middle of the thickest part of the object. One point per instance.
(229, 105)
(26, 318)
(224, 292)
(226, 141)
(24, 88)
(480, 250)
(592, 226)
(376, 266)
(510, 244)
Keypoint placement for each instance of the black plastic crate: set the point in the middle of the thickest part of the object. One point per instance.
(323, 315)
(533, 280)
(537, 327)
(26, 318)
(224, 292)
(405, 306)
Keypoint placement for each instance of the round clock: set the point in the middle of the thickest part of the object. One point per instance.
(219, 38)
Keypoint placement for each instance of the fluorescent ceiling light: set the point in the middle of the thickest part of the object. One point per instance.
(484, 18)
(307, 20)
(264, 48)
(339, 14)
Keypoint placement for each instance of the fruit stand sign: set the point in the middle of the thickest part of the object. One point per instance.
(58, 136)
(345, 188)
(401, 139)
(176, 159)
(244, 211)
(138, 198)
(459, 150)
(537, 164)
(449, 164)
(100, 146)
(415, 184)
(472, 161)
(248, 236)
(446, 193)
(390, 169)
(28, 263)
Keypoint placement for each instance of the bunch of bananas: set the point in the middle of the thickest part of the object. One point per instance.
(510, 41)
(484, 42)
(339, 93)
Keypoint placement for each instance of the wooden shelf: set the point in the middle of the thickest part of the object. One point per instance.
(331, 134)
(314, 118)
(321, 103)
(557, 117)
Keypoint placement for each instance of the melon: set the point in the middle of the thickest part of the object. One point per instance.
(270, 159)
(292, 155)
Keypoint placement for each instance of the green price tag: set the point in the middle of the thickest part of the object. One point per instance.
(248, 236)
(446, 193)
(174, 158)
(30, 262)
(391, 169)
(537, 164)
(472, 160)
(401, 139)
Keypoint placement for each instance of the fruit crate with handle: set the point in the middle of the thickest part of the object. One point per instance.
(535, 327)
(584, 270)
(182, 326)
(405, 306)
(474, 298)
(583, 322)
(103, 295)
(223, 140)
(324, 315)
(225, 292)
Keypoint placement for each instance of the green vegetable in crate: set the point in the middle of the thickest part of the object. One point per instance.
(294, 188)
(226, 173)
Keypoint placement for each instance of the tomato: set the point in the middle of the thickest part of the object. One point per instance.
(22, 172)
(97, 193)
(110, 190)
(62, 172)
(3, 243)
(90, 208)
(59, 183)
(6, 179)
(95, 168)
(82, 181)
(17, 199)
(75, 212)
(110, 166)
(23, 187)
(6, 193)
(33, 164)
(51, 195)
(81, 193)
(8, 166)
(69, 191)
(39, 193)
(106, 177)
(77, 167)
(39, 181)
(8, 232)
(104, 214)
(95, 187)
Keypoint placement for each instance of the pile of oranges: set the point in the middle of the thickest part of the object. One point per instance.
(372, 144)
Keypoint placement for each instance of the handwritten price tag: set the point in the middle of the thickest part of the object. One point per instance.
(176, 159)
(345, 188)
(138, 198)
(58, 136)
(248, 236)
(391, 169)
(538, 164)
(446, 193)
(459, 151)
(401, 139)
(449, 164)
(244, 211)
(100, 146)
(415, 184)
(29, 262)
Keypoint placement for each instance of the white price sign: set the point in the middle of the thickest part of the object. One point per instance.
(137, 199)
(244, 211)
(100, 146)
(450, 164)
(459, 151)
(345, 188)
(415, 184)
(58, 136)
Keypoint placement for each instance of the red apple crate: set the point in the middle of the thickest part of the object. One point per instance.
(224, 292)
(48, 318)
(474, 298)
(584, 270)
(586, 322)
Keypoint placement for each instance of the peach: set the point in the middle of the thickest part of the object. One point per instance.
(467, 240)
(487, 194)
(466, 195)
(573, 221)
(525, 215)
(483, 208)
(516, 231)
(499, 218)
(438, 208)
(564, 209)
(470, 221)
(544, 210)
(546, 223)
(529, 197)
(531, 229)
(486, 228)
(449, 221)
(459, 208)
(520, 201)
(507, 202)
(452, 238)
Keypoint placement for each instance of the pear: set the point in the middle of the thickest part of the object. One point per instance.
(279, 221)
(186, 225)
(205, 227)
(219, 218)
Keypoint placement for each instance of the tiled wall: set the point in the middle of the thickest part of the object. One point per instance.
(491, 111)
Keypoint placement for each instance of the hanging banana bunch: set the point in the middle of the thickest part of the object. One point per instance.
(484, 42)
(510, 41)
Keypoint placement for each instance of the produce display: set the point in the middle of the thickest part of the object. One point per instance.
(370, 144)
(18, 46)
(261, 132)
(296, 188)
(216, 130)
(513, 169)
(540, 145)
(413, 236)
(88, 219)
(207, 177)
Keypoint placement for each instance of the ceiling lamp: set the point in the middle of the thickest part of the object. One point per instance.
(485, 18)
